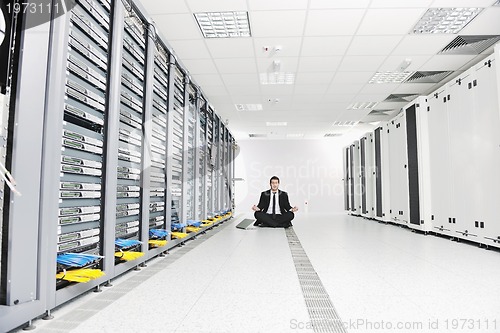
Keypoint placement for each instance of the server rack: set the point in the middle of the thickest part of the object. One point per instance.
(367, 175)
(385, 174)
(210, 162)
(176, 131)
(356, 178)
(189, 154)
(346, 179)
(159, 204)
(398, 169)
(100, 84)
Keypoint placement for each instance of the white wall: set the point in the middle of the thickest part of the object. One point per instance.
(309, 170)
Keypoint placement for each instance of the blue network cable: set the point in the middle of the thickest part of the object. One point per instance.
(77, 259)
(126, 243)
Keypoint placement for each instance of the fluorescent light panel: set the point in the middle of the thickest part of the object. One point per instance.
(362, 105)
(445, 20)
(345, 123)
(294, 135)
(389, 77)
(277, 78)
(223, 24)
(276, 123)
(248, 107)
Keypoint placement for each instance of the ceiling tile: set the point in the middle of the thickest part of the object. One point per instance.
(247, 99)
(217, 5)
(277, 5)
(277, 23)
(206, 80)
(462, 3)
(377, 97)
(345, 99)
(422, 44)
(314, 78)
(290, 47)
(344, 88)
(315, 89)
(243, 89)
(326, 4)
(382, 88)
(319, 64)
(375, 21)
(200, 66)
(276, 90)
(400, 4)
(447, 62)
(287, 64)
(177, 26)
(190, 49)
(353, 77)
(236, 65)
(413, 88)
(240, 79)
(392, 63)
(160, 7)
(325, 46)
(486, 23)
(333, 22)
(361, 63)
(373, 45)
(212, 91)
(230, 47)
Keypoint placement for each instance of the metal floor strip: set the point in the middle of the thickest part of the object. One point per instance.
(324, 317)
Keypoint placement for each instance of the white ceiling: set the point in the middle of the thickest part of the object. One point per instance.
(332, 46)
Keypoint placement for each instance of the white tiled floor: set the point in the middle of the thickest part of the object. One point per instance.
(377, 275)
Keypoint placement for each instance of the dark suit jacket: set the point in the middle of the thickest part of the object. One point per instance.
(265, 199)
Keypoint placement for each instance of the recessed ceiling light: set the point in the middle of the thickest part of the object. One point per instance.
(223, 24)
(248, 107)
(276, 123)
(294, 135)
(277, 78)
(389, 77)
(445, 20)
(362, 105)
(345, 123)
(331, 135)
(257, 135)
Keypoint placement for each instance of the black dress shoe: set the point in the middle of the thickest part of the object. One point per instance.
(257, 223)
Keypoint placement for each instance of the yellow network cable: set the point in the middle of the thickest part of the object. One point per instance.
(128, 255)
(157, 242)
(179, 235)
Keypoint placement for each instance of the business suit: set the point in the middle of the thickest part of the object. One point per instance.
(280, 220)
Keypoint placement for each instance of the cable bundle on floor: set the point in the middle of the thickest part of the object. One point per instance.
(77, 259)
(81, 275)
(123, 244)
(179, 235)
(194, 223)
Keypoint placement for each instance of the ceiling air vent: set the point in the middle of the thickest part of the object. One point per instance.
(400, 98)
(470, 44)
(428, 77)
(257, 135)
(362, 105)
(385, 112)
(331, 135)
(345, 123)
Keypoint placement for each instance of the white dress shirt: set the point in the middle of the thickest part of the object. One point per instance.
(270, 209)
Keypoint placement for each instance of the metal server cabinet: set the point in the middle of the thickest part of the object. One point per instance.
(176, 139)
(385, 178)
(159, 203)
(134, 131)
(356, 178)
(439, 163)
(210, 163)
(418, 165)
(367, 175)
(200, 165)
(486, 122)
(398, 170)
(474, 152)
(347, 179)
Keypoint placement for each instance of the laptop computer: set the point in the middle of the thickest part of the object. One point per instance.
(245, 223)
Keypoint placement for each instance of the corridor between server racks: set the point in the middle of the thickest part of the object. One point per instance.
(379, 278)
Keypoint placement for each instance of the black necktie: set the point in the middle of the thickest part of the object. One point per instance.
(274, 205)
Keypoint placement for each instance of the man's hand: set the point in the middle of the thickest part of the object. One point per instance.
(255, 208)
(294, 209)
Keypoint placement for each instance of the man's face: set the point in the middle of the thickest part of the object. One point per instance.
(274, 184)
